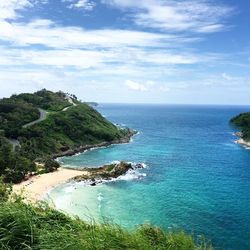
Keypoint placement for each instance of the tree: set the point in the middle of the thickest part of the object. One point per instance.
(14, 167)
(5, 190)
(51, 165)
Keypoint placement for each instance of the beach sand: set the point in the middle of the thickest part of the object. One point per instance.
(37, 186)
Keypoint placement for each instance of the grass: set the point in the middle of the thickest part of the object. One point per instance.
(24, 226)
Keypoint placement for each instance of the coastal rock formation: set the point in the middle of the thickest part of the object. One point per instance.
(106, 172)
(128, 134)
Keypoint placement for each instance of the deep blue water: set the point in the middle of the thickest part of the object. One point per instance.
(197, 179)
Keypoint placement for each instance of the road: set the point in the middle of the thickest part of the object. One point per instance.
(16, 143)
(43, 116)
(70, 101)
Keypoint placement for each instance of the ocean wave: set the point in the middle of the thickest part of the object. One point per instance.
(100, 197)
(115, 162)
(69, 189)
(131, 175)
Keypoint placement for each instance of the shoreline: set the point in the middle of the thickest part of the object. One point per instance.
(37, 186)
(243, 143)
(82, 149)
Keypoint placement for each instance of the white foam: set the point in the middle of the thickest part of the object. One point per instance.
(115, 162)
(131, 175)
(69, 189)
(100, 197)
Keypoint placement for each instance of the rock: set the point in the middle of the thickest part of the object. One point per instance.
(239, 134)
(120, 169)
(107, 172)
(139, 165)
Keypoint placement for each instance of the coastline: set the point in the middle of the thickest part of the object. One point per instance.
(244, 143)
(241, 141)
(37, 186)
(84, 148)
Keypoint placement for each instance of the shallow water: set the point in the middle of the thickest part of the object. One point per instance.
(197, 178)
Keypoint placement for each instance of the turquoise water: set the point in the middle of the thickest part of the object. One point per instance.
(197, 178)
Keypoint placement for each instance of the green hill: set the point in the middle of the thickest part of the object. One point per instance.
(243, 122)
(16, 113)
(46, 124)
(45, 99)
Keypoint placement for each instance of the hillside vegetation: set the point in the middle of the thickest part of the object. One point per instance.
(14, 165)
(80, 125)
(45, 99)
(14, 114)
(19, 110)
(243, 121)
(68, 125)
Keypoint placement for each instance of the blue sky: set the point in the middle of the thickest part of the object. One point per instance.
(148, 51)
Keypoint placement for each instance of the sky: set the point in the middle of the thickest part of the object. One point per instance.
(128, 51)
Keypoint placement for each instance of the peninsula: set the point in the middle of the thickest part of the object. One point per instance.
(37, 128)
(243, 122)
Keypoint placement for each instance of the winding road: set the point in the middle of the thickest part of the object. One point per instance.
(43, 116)
(70, 101)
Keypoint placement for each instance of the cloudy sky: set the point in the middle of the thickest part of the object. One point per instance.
(145, 51)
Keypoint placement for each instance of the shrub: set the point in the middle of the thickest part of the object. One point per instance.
(5, 190)
(51, 165)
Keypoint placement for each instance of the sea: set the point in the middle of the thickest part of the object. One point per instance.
(195, 177)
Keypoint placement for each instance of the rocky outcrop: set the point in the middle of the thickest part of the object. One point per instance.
(241, 141)
(244, 143)
(107, 172)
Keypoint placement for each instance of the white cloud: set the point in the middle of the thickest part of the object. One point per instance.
(86, 5)
(226, 77)
(9, 8)
(74, 46)
(164, 89)
(47, 33)
(70, 57)
(136, 86)
(128, 60)
(147, 86)
(184, 15)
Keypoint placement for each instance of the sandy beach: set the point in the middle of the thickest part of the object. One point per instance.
(37, 186)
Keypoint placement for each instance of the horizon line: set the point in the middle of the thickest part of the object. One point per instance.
(177, 104)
